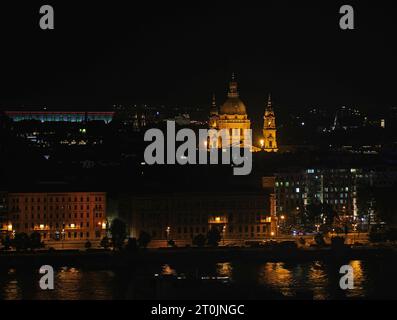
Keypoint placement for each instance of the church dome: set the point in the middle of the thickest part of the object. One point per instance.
(233, 105)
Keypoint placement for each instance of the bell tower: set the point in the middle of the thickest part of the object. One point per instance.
(213, 114)
(269, 128)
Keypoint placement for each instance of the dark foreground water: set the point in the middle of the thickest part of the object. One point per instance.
(239, 280)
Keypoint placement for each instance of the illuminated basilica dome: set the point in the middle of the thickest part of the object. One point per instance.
(232, 116)
(233, 105)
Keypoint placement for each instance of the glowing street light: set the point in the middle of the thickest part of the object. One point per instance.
(262, 142)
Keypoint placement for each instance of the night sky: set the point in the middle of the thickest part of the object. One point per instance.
(178, 53)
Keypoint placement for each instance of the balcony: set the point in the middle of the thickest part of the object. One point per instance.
(41, 227)
(266, 220)
(217, 220)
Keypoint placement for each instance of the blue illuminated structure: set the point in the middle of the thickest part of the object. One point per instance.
(61, 116)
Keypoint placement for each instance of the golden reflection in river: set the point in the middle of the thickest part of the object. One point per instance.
(276, 275)
(73, 284)
(70, 284)
(318, 280)
(359, 279)
(224, 269)
(166, 270)
(11, 290)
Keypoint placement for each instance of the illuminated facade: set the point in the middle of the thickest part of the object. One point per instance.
(65, 216)
(59, 116)
(334, 188)
(3, 213)
(232, 116)
(269, 128)
(182, 216)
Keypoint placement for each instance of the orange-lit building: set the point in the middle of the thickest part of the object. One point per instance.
(3, 213)
(181, 216)
(58, 216)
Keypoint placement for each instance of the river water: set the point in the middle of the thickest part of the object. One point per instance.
(239, 280)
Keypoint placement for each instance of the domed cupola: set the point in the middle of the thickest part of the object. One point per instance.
(233, 105)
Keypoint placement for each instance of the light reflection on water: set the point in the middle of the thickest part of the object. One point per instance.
(70, 284)
(275, 275)
(317, 277)
(224, 269)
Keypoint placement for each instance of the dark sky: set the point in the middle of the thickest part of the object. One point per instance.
(178, 53)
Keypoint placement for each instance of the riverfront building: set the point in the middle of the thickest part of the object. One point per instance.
(58, 216)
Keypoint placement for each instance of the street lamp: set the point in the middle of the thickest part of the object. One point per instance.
(223, 232)
(262, 142)
(63, 236)
(168, 232)
(282, 217)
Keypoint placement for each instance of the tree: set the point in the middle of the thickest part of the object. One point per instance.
(21, 241)
(199, 240)
(171, 243)
(6, 242)
(105, 243)
(384, 204)
(132, 244)
(144, 239)
(319, 239)
(313, 212)
(118, 231)
(35, 240)
(330, 214)
(88, 244)
(213, 237)
(337, 242)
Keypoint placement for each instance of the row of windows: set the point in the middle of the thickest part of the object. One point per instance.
(33, 208)
(204, 230)
(342, 195)
(336, 201)
(230, 229)
(57, 225)
(57, 216)
(16, 200)
(295, 204)
(248, 217)
(215, 204)
(70, 235)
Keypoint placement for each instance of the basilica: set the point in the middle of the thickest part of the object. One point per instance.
(232, 116)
